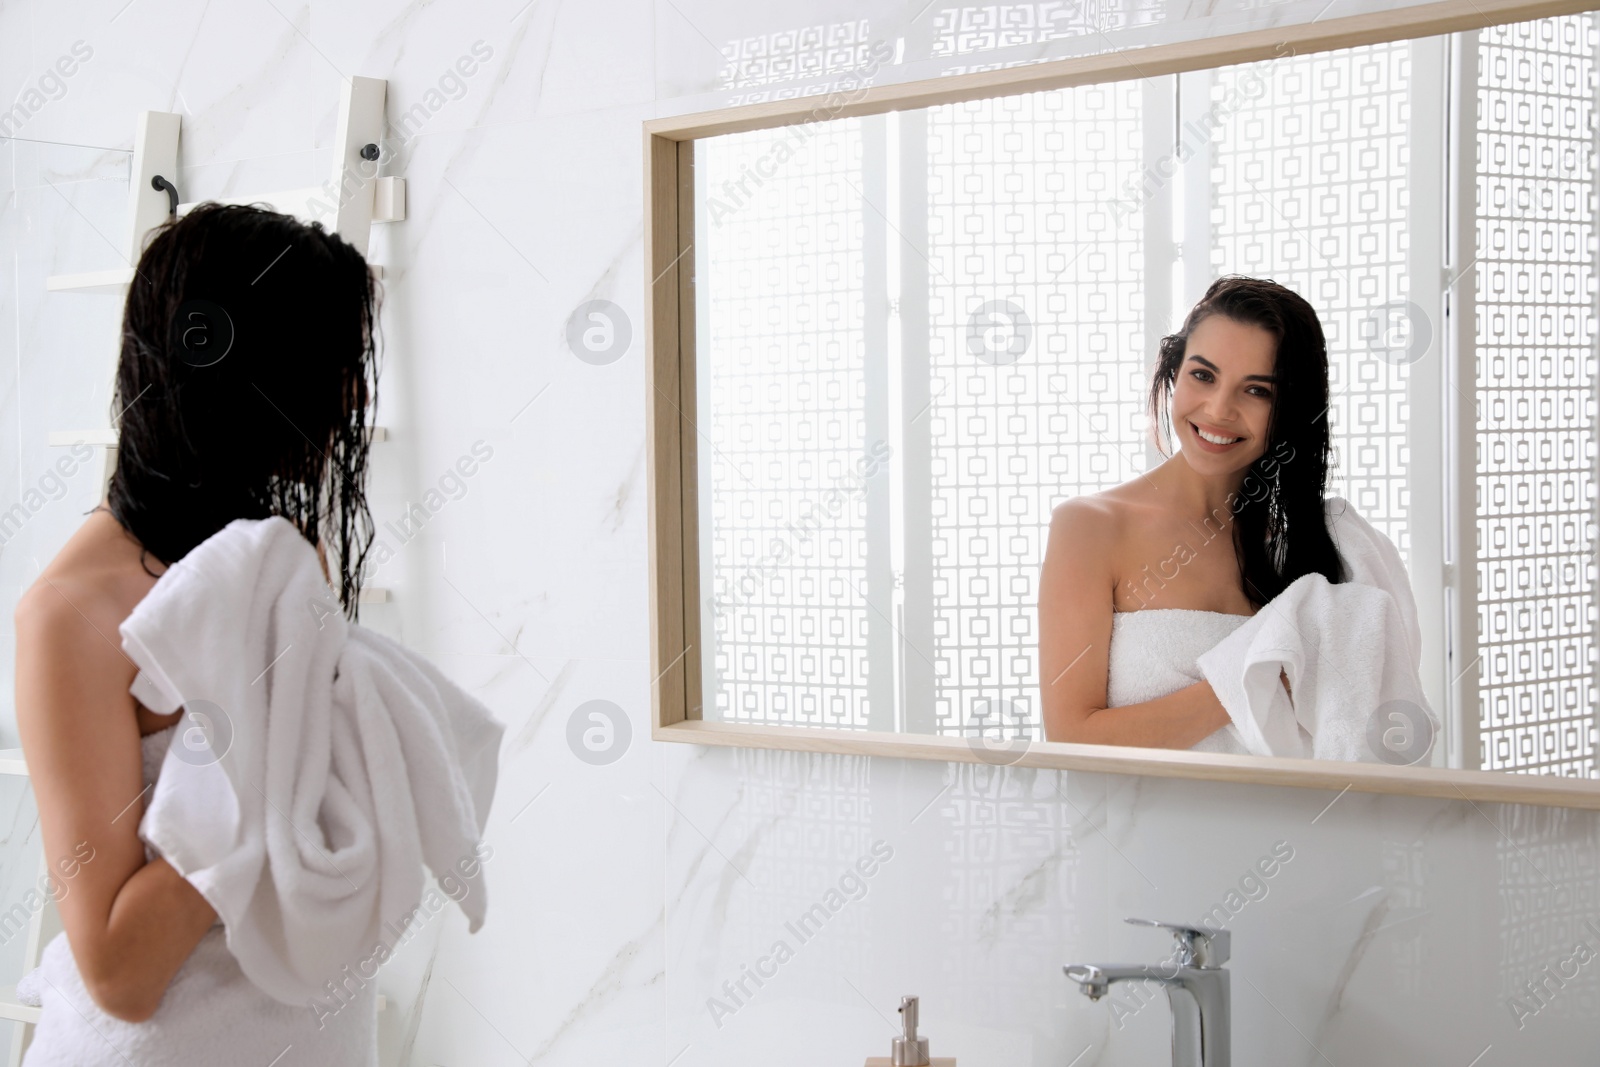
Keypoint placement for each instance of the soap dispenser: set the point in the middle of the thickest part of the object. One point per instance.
(909, 1050)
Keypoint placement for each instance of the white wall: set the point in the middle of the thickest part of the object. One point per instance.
(624, 896)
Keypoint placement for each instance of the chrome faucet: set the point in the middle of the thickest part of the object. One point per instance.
(1196, 985)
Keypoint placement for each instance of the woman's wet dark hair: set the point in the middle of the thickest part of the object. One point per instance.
(247, 367)
(1280, 527)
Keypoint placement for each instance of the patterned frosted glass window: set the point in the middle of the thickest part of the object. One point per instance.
(1311, 191)
(1549, 887)
(987, 31)
(781, 58)
(782, 429)
(1536, 287)
(1037, 355)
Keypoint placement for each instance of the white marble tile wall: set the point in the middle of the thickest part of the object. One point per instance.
(625, 896)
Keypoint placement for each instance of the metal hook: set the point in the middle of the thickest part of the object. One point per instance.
(158, 182)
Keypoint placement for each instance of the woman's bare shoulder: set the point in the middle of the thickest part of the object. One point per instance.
(1108, 515)
(1091, 534)
(97, 578)
(1088, 516)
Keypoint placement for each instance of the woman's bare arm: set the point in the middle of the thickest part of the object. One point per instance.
(1076, 585)
(131, 924)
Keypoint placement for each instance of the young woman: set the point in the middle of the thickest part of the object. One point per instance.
(1140, 580)
(246, 371)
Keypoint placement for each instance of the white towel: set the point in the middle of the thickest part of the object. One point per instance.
(210, 1014)
(1373, 560)
(352, 761)
(1352, 653)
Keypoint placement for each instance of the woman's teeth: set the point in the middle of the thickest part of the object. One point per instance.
(1214, 439)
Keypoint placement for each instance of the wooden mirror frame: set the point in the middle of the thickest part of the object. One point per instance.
(673, 454)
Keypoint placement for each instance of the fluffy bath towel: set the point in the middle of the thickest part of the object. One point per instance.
(1351, 651)
(320, 765)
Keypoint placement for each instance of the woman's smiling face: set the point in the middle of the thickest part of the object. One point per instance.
(1224, 391)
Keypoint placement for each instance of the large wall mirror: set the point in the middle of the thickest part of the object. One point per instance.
(897, 332)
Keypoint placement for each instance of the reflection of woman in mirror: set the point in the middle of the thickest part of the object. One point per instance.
(1139, 580)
